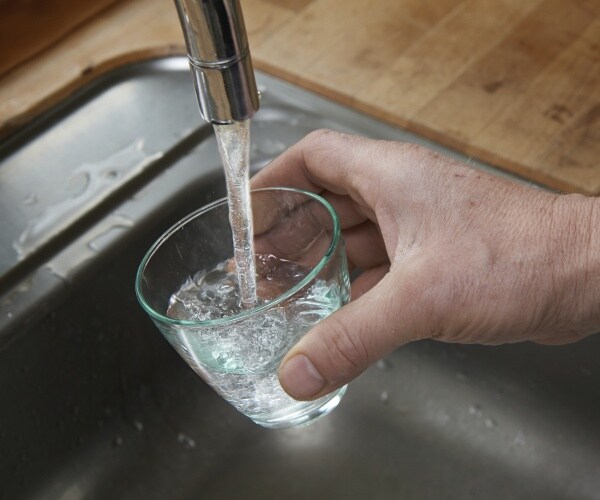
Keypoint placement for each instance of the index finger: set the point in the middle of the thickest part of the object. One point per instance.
(325, 161)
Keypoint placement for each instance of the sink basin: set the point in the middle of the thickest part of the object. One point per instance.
(96, 404)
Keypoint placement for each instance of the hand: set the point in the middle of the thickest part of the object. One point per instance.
(448, 252)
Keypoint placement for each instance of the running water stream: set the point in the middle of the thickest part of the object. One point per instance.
(234, 146)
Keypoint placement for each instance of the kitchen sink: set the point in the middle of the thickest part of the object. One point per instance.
(96, 404)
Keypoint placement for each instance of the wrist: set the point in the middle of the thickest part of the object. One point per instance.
(576, 270)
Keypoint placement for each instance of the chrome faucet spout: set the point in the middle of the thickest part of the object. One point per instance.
(219, 57)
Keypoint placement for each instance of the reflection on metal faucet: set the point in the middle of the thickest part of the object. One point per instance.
(219, 57)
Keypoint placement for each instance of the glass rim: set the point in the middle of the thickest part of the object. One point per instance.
(247, 312)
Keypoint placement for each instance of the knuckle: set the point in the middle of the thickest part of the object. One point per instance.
(347, 352)
(320, 135)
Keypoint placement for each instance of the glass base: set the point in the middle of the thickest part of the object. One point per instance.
(306, 415)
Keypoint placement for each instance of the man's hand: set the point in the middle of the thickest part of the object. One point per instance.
(448, 252)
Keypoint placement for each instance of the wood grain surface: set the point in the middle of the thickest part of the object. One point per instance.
(29, 26)
(511, 82)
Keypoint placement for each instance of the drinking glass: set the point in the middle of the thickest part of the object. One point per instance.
(302, 277)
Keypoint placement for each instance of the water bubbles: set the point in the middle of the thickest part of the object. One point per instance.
(240, 358)
(205, 296)
(226, 360)
(186, 441)
(214, 277)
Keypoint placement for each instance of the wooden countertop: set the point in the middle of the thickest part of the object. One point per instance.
(514, 83)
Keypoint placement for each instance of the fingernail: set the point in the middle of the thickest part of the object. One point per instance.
(300, 378)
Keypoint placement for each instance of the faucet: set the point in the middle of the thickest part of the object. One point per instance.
(219, 56)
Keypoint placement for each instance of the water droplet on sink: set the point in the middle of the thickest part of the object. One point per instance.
(382, 364)
(110, 174)
(24, 286)
(77, 183)
(9, 315)
(87, 184)
(519, 438)
(139, 426)
(384, 397)
(443, 417)
(117, 441)
(30, 199)
(105, 233)
(186, 441)
(490, 423)
(475, 410)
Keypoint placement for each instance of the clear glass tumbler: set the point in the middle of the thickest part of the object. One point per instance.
(302, 277)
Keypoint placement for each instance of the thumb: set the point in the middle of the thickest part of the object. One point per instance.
(343, 345)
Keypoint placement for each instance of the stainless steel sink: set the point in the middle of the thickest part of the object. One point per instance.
(95, 404)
